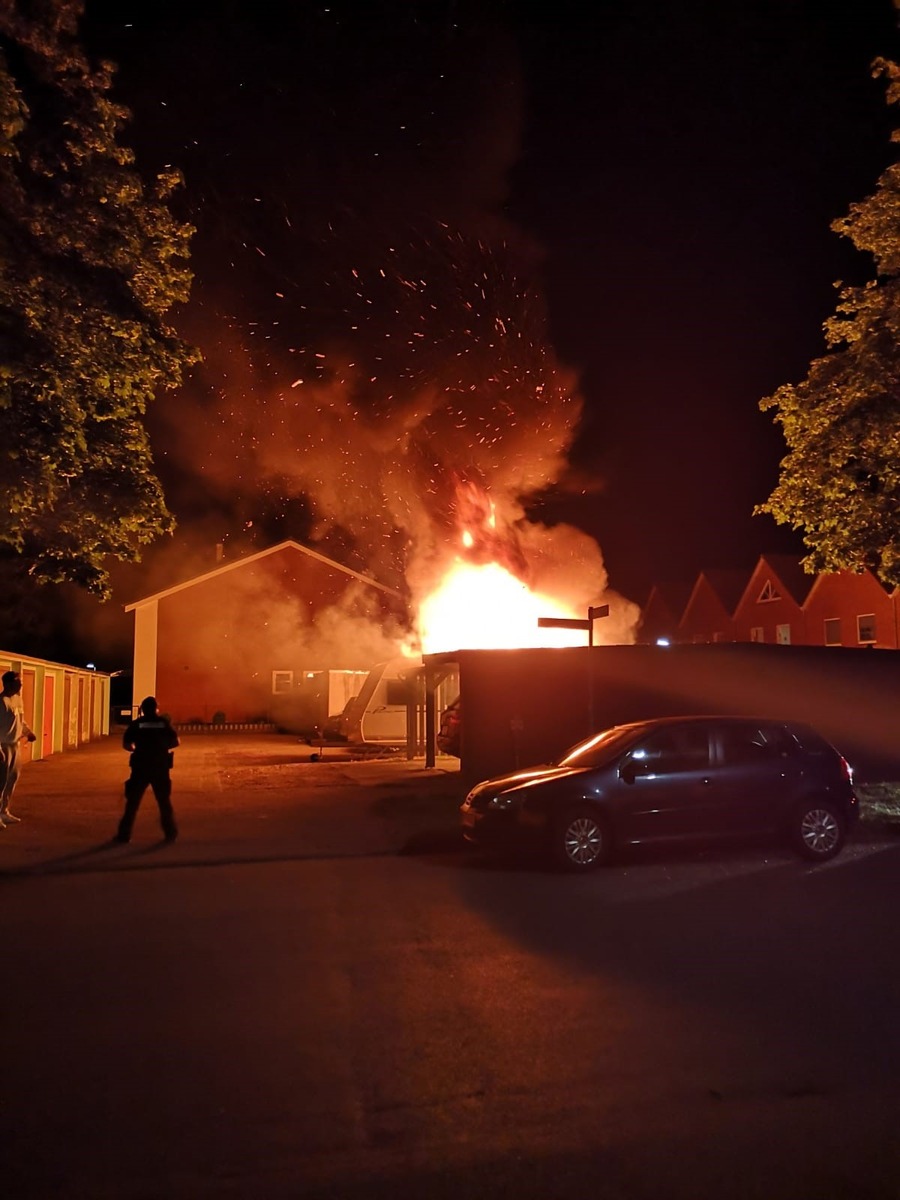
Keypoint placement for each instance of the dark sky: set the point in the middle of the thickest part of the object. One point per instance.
(644, 191)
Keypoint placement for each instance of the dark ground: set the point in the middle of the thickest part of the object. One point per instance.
(315, 993)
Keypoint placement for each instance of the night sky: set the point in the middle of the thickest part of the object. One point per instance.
(628, 203)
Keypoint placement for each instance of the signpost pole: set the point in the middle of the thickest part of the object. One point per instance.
(599, 610)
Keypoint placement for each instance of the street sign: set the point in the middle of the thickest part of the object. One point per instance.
(562, 623)
(598, 610)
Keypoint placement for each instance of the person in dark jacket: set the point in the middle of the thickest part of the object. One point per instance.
(151, 741)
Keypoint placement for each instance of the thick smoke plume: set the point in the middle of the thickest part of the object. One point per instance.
(378, 376)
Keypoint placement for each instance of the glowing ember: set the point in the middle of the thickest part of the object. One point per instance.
(484, 607)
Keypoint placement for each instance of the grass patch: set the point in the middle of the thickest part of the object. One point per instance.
(879, 803)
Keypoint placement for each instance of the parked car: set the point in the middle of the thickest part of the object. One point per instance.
(449, 733)
(672, 778)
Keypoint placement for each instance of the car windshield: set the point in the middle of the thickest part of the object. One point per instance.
(599, 748)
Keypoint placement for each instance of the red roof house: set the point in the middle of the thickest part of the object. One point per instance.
(662, 613)
(848, 609)
(709, 613)
(771, 607)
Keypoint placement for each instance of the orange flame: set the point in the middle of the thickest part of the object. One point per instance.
(484, 607)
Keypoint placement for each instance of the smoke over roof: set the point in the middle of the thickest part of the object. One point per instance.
(377, 361)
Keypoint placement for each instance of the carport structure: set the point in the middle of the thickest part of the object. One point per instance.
(524, 707)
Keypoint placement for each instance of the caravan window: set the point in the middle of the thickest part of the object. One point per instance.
(396, 692)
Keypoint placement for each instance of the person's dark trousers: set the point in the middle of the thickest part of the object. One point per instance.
(159, 780)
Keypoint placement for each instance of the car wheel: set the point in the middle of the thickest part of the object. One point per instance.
(581, 840)
(818, 831)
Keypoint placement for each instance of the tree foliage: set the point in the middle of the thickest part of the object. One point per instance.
(840, 482)
(91, 261)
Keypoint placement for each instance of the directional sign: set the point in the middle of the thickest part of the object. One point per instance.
(562, 623)
(599, 610)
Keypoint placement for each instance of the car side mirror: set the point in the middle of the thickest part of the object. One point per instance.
(627, 772)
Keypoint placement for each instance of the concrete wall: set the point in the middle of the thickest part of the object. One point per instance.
(522, 707)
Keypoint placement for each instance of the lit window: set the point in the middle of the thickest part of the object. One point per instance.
(865, 629)
(768, 593)
(783, 635)
(833, 631)
(756, 634)
(282, 681)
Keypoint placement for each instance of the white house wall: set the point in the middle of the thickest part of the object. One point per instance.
(146, 625)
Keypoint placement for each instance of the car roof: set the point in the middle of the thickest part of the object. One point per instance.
(719, 718)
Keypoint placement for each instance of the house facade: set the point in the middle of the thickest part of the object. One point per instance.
(661, 615)
(847, 609)
(249, 641)
(771, 609)
(709, 613)
(779, 604)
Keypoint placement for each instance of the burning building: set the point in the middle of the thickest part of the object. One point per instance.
(420, 424)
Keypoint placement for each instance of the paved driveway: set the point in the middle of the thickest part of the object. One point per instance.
(237, 797)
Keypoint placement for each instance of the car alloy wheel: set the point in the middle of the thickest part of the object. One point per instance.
(582, 841)
(819, 832)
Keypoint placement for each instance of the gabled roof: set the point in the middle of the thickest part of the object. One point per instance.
(673, 595)
(789, 573)
(727, 584)
(243, 562)
(826, 577)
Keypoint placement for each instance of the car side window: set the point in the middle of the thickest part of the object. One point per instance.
(741, 744)
(672, 751)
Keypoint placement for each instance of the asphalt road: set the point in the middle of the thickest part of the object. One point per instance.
(317, 993)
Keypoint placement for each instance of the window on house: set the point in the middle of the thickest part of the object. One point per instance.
(756, 634)
(768, 593)
(865, 629)
(282, 681)
(833, 631)
(783, 635)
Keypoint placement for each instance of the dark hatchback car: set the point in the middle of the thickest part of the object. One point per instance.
(672, 778)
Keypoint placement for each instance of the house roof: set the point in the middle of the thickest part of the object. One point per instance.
(727, 585)
(673, 594)
(827, 578)
(790, 574)
(243, 562)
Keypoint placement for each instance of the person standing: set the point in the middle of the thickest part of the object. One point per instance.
(13, 731)
(151, 741)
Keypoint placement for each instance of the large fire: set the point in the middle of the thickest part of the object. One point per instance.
(484, 607)
(481, 601)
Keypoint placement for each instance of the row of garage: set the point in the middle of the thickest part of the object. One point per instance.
(66, 706)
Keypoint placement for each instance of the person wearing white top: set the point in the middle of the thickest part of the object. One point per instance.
(13, 731)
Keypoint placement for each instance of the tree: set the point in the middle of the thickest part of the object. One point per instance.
(91, 260)
(840, 482)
